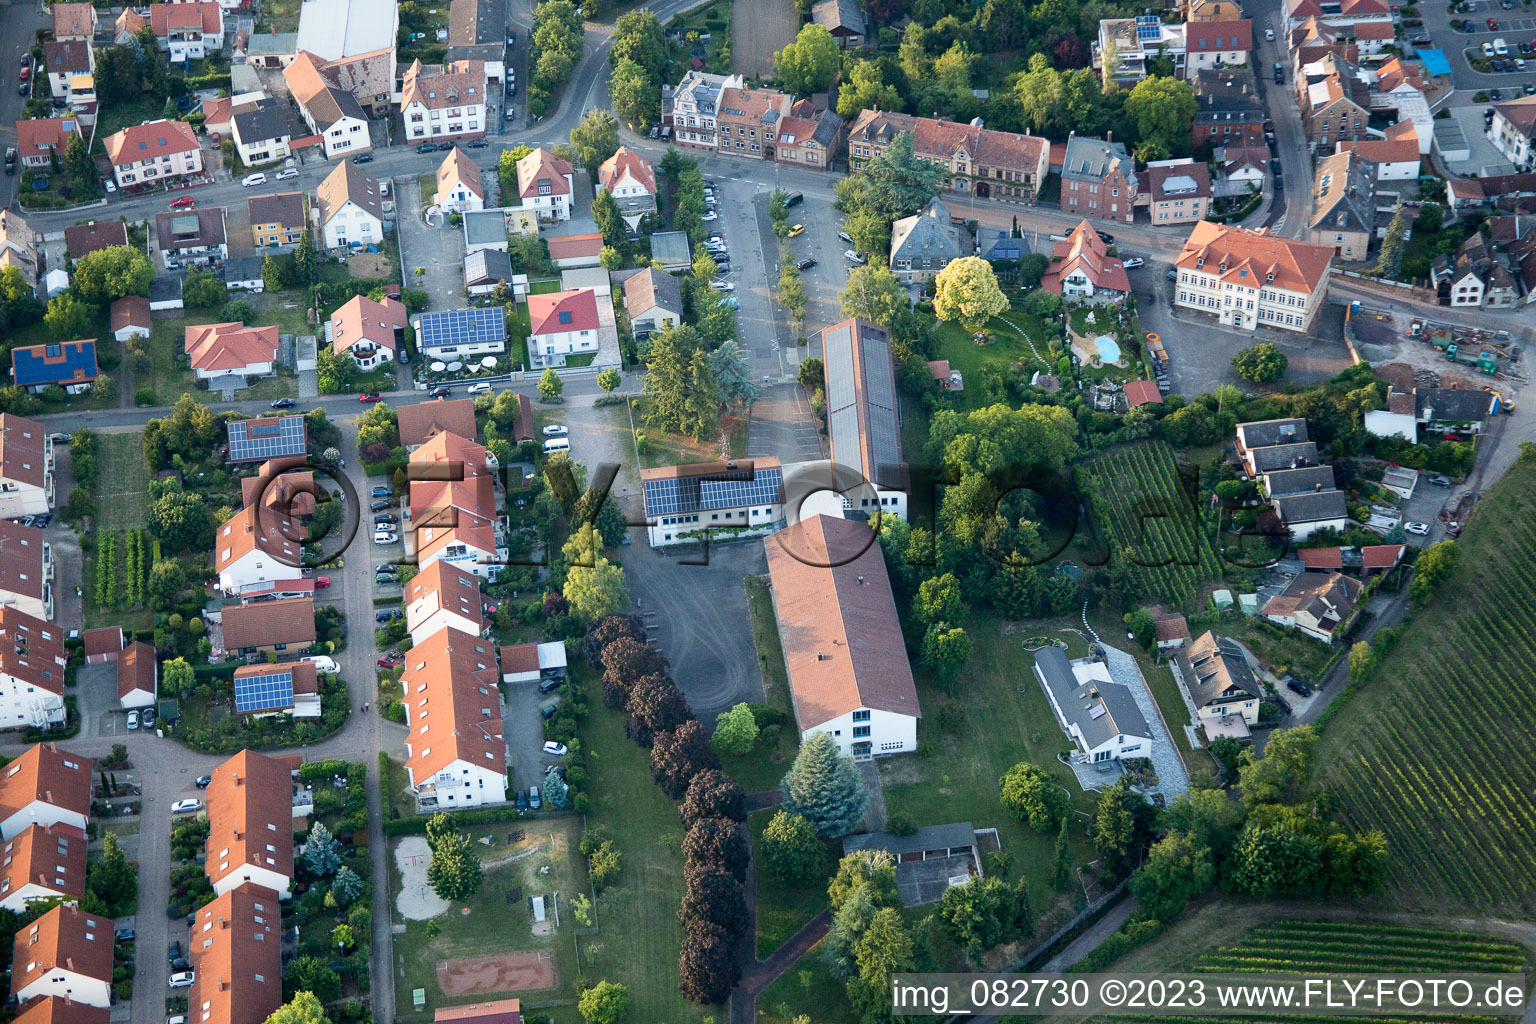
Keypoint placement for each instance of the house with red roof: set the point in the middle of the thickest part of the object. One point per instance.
(368, 331)
(155, 150)
(39, 138)
(630, 179)
(450, 682)
(1081, 268)
(233, 348)
(188, 31)
(569, 251)
(1142, 392)
(66, 953)
(544, 184)
(1214, 44)
(563, 323)
(1396, 157)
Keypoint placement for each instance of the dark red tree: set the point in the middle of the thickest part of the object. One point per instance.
(713, 794)
(719, 842)
(654, 706)
(679, 755)
(1070, 53)
(606, 631)
(625, 661)
(707, 965)
(713, 896)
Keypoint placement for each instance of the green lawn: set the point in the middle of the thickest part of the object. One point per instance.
(122, 496)
(428, 183)
(1165, 691)
(762, 768)
(286, 309)
(1005, 350)
(641, 935)
(21, 336)
(170, 381)
(1291, 651)
(122, 113)
(807, 987)
(543, 287)
(546, 861)
(783, 908)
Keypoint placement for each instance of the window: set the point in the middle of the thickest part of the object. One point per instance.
(861, 716)
(860, 730)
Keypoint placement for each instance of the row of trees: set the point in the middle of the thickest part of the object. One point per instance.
(557, 44)
(636, 679)
(639, 58)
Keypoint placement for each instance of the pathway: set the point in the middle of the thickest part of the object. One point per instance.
(874, 814)
(758, 976)
(1172, 778)
(1027, 340)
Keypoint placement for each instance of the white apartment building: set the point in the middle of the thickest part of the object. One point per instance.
(26, 468)
(443, 103)
(1513, 132)
(154, 151)
(693, 106)
(1249, 279)
(349, 208)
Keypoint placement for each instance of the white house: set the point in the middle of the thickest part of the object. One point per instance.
(251, 807)
(443, 102)
(456, 755)
(349, 208)
(65, 953)
(130, 317)
(1317, 603)
(154, 151)
(246, 566)
(26, 569)
(218, 350)
(654, 302)
(459, 187)
(544, 185)
(188, 31)
(527, 663)
(683, 504)
(63, 61)
(138, 676)
(563, 323)
(443, 596)
(848, 669)
(1396, 156)
(43, 862)
(1305, 514)
(462, 334)
(32, 661)
(26, 468)
(261, 132)
(367, 331)
(331, 112)
(44, 785)
(631, 180)
(1398, 419)
(1099, 714)
(471, 548)
(1513, 131)
(569, 252)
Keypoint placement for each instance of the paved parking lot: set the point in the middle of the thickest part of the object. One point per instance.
(438, 248)
(523, 728)
(1514, 25)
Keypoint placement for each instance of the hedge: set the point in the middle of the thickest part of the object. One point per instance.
(1132, 935)
(417, 826)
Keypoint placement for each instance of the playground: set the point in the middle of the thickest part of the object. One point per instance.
(516, 936)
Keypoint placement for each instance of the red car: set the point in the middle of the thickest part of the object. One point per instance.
(184, 203)
(26, 73)
(370, 396)
(389, 660)
(1493, 24)
(321, 582)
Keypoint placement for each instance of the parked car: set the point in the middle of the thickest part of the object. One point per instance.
(252, 180)
(440, 391)
(173, 952)
(534, 802)
(1493, 24)
(710, 214)
(321, 582)
(147, 717)
(370, 396)
(386, 615)
(1417, 529)
(555, 430)
(183, 203)
(186, 806)
(793, 199)
(806, 264)
(133, 720)
(181, 979)
(385, 537)
(722, 286)
(797, 230)
(286, 173)
(853, 257)
(1299, 687)
(478, 144)
(478, 388)
(554, 749)
(1106, 238)
(203, 781)
(386, 519)
(363, 158)
(1132, 262)
(522, 801)
(427, 147)
(283, 403)
(123, 935)
(389, 660)
(381, 506)
(1439, 479)
(550, 684)
(381, 491)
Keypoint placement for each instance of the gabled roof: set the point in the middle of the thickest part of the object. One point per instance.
(1250, 257)
(565, 247)
(1453, 405)
(1142, 392)
(833, 15)
(104, 640)
(44, 773)
(1100, 708)
(314, 85)
(32, 651)
(71, 57)
(74, 20)
(60, 1010)
(496, 1011)
(22, 450)
(1179, 181)
(561, 312)
(230, 346)
(542, 169)
(456, 84)
(153, 139)
(282, 208)
(862, 420)
(250, 813)
(487, 266)
(237, 956)
(927, 234)
(1322, 558)
(1283, 456)
(627, 163)
(420, 421)
(1220, 671)
(474, 23)
(21, 559)
(260, 121)
(63, 363)
(760, 106)
(1299, 481)
(275, 487)
(265, 689)
(1344, 196)
(1090, 159)
(36, 136)
(1170, 626)
(205, 16)
(702, 486)
(190, 229)
(361, 319)
(64, 939)
(1263, 433)
(49, 856)
(1311, 507)
(1400, 146)
(650, 288)
(453, 706)
(443, 586)
(136, 669)
(1216, 36)
(1521, 113)
(289, 621)
(1381, 556)
(80, 239)
(837, 620)
(1328, 597)
(458, 169)
(1084, 253)
(347, 183)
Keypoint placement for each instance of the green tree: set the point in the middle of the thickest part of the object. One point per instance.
(455, 873)
(201, 290)
(1390, 256)
(1122, 828)
(1260, 364)
(610, 221)
(69, 317)
(596, 138)
(303, 1008)
(790, 847)
(181, 521)
(939, 599)
(112, 880)
(634, 94)
(896, 184)
(866, 89)
(610, 258)
(874, 294)
(1061, 867)
(1282, 775)
(551, 387)
(884, 950)
(983, 913)
(272, 273)
(810, 63)
(1361, 661)
(306, 259)
(812, 374)
(734, 375)
(638, 37)
(823, 786)
(319, 851)
(791, 291)
(1433, 567)
(966, 292)
(311, 974)
(176, 677)
(609, 379)
(735, 730)
(1163, 110)
(946, 651)
(1031, 794)
(110, 273)
(604, 1003)
(596, 591)
(1275, 861)
(346, 885)
(1177, 868)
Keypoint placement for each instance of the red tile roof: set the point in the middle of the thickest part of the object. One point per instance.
(1381, 556)
(32, 651)
(627, 161)
(1400, 146)
(131, 311)
(1213, 36)
(450, 683)
(154, 139)
(59, 1010)
(496, 1011)
(1250, 256)
(1142, 392)
(136, 669)
(45, 773)
(564, 247)
(80, 239)
(35, 137)
(519, 658)
(420, 421)
(444, 586)
(199, 15)
(262, 623)
(1084, 251)
(49, 856)
(541, 167)
(1322, 558)
(21, 559)
(65, 938)
(363, 320)
(23, 450)
(250, 814)
(106, 640)
(237, 957)
(231, 346)
(560, 312)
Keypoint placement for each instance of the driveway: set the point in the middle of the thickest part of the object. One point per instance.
(782, 425)
(523, 728)
(436, 248)
(697, 614)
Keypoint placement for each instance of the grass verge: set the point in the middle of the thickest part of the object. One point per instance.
(783, 908)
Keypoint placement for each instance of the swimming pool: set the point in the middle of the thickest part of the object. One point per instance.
(1108, 350)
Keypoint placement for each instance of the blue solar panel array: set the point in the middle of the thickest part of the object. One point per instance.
(462, 327)
(266, 692)
(1148, 26)
(726, 489)
(259, 440)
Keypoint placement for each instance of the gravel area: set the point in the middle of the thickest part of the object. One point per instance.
(1173, 781)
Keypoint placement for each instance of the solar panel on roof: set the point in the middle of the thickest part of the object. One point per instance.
(266, 692)
(251, 441)
(462, 327)
(675, 495)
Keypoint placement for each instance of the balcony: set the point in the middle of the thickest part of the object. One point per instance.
(48, 600)
(47, 561)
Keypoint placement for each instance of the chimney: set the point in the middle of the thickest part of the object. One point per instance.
(861, 581)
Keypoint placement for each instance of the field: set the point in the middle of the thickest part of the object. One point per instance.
(1241, 937)
(784, 908)
(544, 861)
(663, 449)
(122, 487)
(1435, 750)
(1142, 513)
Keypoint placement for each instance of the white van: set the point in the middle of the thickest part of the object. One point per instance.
(254, 179)
(557, 444)
(323, 664)
(385, 537)
(1500, 48)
